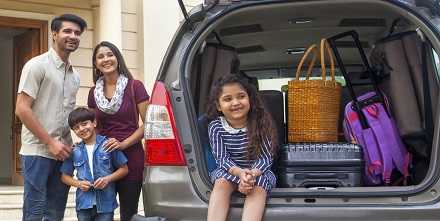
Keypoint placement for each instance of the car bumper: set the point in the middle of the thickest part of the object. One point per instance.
(168, 192)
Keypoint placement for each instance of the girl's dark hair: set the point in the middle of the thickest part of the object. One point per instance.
(122, 67)
(260, 125)
(79, 115)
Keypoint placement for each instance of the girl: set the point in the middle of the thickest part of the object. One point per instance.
(119, 100)
(243, 140)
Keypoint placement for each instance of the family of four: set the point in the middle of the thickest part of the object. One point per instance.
(109, 159)
(105, 164)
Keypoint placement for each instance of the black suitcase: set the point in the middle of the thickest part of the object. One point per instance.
(320, 165)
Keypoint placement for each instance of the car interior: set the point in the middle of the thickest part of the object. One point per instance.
(265, 43)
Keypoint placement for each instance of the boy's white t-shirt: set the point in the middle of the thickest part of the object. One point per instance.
(89, 148)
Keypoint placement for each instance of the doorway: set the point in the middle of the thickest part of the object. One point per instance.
(20, 40)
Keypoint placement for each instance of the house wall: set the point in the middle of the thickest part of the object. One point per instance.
(130, 40)
(87, 9)
(82, 58)
(159, 28)
(49, 9)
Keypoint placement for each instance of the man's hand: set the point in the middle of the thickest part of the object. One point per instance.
(59, 150)
(101, 182)
(23, 110)
(84, 185)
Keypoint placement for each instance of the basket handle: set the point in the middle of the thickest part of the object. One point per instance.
(313, 49)
(325, 49)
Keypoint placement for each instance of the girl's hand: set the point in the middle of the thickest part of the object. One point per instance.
(246, 178)
(113, 144)
(247, 181)
(256, 172)
(101, 182)
(84, 185)
(244, 188)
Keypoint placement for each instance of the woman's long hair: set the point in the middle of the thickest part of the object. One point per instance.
(259, 125)
(122, 67)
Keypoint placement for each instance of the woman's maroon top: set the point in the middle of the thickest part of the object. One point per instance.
(122, 124)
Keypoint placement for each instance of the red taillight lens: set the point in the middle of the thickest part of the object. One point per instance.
(161, 138)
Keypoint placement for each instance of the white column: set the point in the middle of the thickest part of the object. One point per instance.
(160, 22)
(110, 21)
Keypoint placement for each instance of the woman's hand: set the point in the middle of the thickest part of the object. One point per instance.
(113, 144)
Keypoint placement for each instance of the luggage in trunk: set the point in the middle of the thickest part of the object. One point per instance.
(320, 165)
(369, 123)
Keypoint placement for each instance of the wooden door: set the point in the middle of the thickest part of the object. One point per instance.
(32, 42)
(26, 46)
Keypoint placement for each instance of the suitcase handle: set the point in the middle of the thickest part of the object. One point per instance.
(304, 176)
(357, 105)
(312, 184)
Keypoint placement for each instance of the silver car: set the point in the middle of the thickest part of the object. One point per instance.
(268, 37)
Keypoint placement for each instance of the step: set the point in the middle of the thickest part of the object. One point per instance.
(13, 211)
(11, 203)
(14, 194)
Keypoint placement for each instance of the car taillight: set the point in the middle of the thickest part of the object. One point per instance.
(161, 138)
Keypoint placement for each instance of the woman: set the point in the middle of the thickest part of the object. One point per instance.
(118, 101)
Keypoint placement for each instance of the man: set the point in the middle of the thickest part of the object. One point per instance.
(46, 95)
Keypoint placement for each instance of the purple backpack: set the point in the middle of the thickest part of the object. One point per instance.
(377, 133)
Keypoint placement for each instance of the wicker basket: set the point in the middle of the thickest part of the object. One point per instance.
(314, 105)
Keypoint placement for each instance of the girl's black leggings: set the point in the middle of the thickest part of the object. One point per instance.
(129, 192)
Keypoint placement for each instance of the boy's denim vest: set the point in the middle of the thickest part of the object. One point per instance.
(104, 163)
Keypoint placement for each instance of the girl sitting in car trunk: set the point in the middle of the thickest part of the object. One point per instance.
(243, 140)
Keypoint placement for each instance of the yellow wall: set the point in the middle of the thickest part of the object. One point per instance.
(89, 10)
(130, 50)
(81, 59)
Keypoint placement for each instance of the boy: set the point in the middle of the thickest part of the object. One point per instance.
(96, 169)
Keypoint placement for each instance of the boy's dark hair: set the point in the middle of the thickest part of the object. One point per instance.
(260, 125)
(122, 67)
(57, 22)
(79, 115)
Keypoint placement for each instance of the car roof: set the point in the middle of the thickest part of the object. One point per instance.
(263, 35)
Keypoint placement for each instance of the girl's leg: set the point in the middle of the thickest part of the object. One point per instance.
(219, 200)
(254, 205)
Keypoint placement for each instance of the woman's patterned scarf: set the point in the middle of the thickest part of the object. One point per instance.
(112, 106)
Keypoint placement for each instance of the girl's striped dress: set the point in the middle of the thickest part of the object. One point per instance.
(229, 147)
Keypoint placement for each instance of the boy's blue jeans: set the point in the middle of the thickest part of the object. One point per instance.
(45, 196)
(93, 215)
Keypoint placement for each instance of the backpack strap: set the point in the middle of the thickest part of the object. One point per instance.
(381, 137)
(366, 139)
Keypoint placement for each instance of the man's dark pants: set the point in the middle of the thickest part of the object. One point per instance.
(45, 196)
